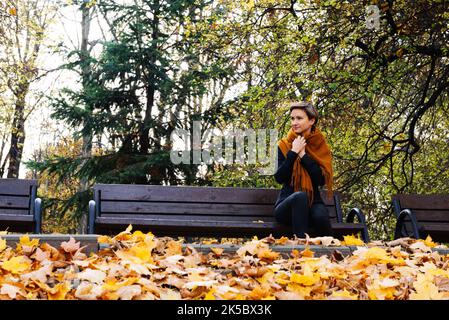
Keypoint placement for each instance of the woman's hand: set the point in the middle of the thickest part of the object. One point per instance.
(299, 145)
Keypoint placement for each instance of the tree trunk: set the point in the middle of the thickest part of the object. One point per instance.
(86, 149)
(17, 134)
(151, 85)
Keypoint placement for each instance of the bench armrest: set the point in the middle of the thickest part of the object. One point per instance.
(356, 212)
(406, 213)
(91, 217)
(38, 215)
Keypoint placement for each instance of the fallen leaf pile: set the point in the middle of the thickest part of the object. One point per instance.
(139, 266)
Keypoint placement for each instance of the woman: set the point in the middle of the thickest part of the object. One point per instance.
(304, 164)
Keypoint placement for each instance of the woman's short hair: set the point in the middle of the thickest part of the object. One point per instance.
(308, 108)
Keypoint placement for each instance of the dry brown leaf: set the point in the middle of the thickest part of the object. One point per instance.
(70, 246)
(129, 292)
(10, 290)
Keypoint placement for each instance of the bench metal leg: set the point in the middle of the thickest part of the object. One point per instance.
(91, 217)
(38, 215)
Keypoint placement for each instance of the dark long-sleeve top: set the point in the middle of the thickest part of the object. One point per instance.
(284, 170)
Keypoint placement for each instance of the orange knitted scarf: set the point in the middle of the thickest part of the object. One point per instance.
(319, 151)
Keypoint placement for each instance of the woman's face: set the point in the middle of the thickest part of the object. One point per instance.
(300, 121)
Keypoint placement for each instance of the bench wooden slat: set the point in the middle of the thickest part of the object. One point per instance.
(435, 227)
(186, 194)
(432, 215)
(254, 221)
(187, 208)
(17, 212)
(186, 223)
(9, 217)
(419, 201)
(16, 186)
(21, 202)
(155, 193)
(436, 231)
(180, 217)
(123, 207)
(347, 227)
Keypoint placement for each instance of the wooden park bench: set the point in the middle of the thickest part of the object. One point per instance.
(199, 211)
(421, 215)
(20, 209)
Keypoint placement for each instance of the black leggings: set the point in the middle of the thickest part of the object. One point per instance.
(294, 211)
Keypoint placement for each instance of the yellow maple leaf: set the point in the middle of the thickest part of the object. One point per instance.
(266, 277)
(299, 289)
(217, 251)
(344, 294)
(351, 240)
(425, 289)
(282, 278)
(25, 241)
(268, 254)
(295, 253)
(59, 291)
(110, 295)
(429, 242)
(307, 253)
(376, 255)
(210, 295)
(381, 293)
(283, 240)
(173, 248)
(138, 235)
(12, 11)
(2, 245)
(104, 239)
(125, 235)
(259, 293)
(16, 265)
(309, 278)
(251, 247)
(142, 251)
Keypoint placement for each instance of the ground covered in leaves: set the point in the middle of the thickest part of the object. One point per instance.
(140, 266)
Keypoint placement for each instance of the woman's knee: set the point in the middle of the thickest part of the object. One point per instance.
(299, 196)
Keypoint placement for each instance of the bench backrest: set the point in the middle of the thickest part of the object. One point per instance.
(17, 200)
(427, 208)
(240, 203)
(16, 196)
